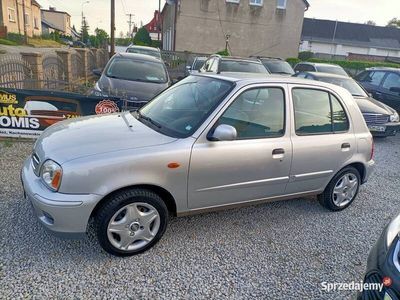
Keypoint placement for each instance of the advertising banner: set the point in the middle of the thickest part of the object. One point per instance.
(26, 113)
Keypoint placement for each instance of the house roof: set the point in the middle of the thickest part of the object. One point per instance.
(51, 25)
(36, 3)
(344, 33)
(56, 11)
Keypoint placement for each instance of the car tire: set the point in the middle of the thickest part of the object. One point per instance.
(131, 222)
(341, 190)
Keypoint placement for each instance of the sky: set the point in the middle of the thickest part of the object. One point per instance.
(97, 12)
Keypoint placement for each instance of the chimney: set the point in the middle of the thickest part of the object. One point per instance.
(52, 8)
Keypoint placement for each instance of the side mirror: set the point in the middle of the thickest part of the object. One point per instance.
(188, 68)
(224, 133)
(97, 72)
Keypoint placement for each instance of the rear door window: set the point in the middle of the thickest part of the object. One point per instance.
(391, 81)
(318, 112)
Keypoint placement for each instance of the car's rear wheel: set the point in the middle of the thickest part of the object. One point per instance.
(131, 222)
(341, 190)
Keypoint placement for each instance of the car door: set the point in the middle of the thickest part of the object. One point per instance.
(322, 138)
(256, 164)
(390, 90)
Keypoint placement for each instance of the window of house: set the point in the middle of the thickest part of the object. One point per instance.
(36, 23)
(391, 81)
(257, 113)
(281, 4)
(11, 14)
(318, 112)
(256, 2)
(27, 19)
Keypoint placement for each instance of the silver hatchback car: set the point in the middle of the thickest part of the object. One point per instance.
(208, 142)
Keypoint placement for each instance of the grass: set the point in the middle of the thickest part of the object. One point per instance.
(40, 43)
(7, 42)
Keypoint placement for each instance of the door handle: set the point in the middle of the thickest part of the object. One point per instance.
(346, 146)
(278, 151)
(278, 154)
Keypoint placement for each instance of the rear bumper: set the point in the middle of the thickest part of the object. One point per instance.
(65, 215)
(369, 168)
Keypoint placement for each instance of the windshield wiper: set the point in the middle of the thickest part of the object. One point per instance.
(148, 119)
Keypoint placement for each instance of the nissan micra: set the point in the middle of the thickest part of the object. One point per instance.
(208, 142)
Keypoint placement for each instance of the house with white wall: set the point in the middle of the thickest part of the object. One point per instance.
(327, 38)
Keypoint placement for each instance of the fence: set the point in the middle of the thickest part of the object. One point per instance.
(62, 70)
(176, 62)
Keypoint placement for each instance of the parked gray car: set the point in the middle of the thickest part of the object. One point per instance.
(135, 77)
(208, 142)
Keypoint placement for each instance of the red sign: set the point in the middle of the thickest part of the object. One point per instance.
(106, 107)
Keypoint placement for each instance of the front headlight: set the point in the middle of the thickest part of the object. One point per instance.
(394, 117)
(393, 231)
(51, 174)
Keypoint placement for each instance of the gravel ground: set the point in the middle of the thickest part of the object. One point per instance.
(273, 251)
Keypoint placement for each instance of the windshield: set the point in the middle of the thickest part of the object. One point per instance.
(180, 110)
(150, 52)
(332, 70)
(242, 66)
(279, 67)
(136, 70)
(349, 84)
(198, 64)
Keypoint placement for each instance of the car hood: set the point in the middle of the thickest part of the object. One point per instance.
(71, 139)
(134, 90)
(370, 105)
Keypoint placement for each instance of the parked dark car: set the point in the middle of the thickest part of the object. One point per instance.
(276, 66)
(319, 67)
(198, 62)
(383, 265)
(382, 120)
(232, 64)
(79, 44)
(383, 84)
(136, 77)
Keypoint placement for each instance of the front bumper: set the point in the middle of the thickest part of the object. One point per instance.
(391, 129)
(383, 262)
(64, 215)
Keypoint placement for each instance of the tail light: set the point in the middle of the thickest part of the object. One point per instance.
(372, 149)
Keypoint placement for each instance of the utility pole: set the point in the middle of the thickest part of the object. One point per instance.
(130, 22)
(112, 33)
(159, 19)
(24, 22)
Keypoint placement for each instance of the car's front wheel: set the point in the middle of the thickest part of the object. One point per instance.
(341, 190)
(131, 222)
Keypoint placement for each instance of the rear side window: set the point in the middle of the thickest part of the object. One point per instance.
(318, 112)
(372, 77)
(391, 81)
(304, 68)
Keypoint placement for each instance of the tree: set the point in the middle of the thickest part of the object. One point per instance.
(394, 23)
(102, 37)
(85, 31)
(142, 37)
(370, 22)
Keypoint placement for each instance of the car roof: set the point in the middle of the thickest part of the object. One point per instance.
(318, 64)
(327, 75)
(254, 78)
(138, 56)
(143, 47)
(383, 69)
(265, 58)
(238, 58)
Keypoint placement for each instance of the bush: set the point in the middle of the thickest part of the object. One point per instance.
(15, 37)
(223, 53)
(142, 37)
(356, 65)
(293, 61)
